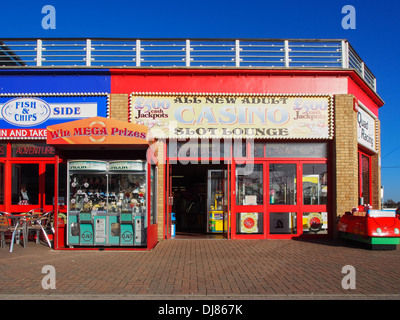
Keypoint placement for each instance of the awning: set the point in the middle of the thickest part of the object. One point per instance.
(97, 131)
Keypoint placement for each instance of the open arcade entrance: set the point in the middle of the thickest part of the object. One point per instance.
(199, 200)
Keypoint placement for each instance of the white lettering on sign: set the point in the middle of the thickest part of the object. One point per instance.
(38, 133)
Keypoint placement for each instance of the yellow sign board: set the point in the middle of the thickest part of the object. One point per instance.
(225, 116)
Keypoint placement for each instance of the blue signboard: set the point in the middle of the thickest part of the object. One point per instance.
(33, 99)
(54, 80)
(41, 111)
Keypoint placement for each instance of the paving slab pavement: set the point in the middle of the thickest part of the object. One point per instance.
(203, 270)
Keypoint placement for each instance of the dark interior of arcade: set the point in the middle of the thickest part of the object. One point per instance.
(195, 189)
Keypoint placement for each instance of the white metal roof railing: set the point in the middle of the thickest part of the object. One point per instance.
(253, 53)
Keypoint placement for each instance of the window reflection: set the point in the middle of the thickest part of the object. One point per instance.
(315, 184)
(249, 184)
(282, 184)
(25, 184)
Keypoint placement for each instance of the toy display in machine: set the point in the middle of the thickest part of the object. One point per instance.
(380, 229)
(106, 199)
(215, 201)
(216, 217)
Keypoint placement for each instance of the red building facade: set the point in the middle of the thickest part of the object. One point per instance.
(232, 152)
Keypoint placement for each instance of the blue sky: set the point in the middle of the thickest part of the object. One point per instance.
(375, 37)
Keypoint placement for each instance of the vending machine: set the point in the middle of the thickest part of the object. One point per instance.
(107, 203)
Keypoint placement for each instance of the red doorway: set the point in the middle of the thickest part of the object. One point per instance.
(197, 201)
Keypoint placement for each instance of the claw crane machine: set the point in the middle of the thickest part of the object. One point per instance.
(110, 196)
(107, 203)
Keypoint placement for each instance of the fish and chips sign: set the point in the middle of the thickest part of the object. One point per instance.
(230, 116)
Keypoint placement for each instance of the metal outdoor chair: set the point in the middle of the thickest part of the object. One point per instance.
(39, 220)
(6, 228)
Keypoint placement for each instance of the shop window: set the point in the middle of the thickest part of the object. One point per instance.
(249, 184)
(3, 150)
(259, 149)
(315, 222)
(249, 222)
(25, 184)
(204, 149)
(283, 223)
(297, 150)
(315, 186)
(282, 184)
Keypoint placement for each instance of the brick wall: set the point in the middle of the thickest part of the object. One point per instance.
(376, 170)
(119, 104)
(345, 156)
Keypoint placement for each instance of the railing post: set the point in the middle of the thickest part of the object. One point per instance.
(237, 53)
(88, 52)
(39, 49)
(345, 54)
(138, 50)
(363, 69)
(187, 58)
(286, 43)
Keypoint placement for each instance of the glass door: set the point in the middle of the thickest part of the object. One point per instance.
(315, 198)
(279, 199)
(249, 200)
(283, 206)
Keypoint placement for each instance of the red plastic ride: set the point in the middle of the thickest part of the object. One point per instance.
(379, 229)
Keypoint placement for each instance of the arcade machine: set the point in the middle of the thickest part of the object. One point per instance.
(107, 203)
(378, 229)
(215, 201)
